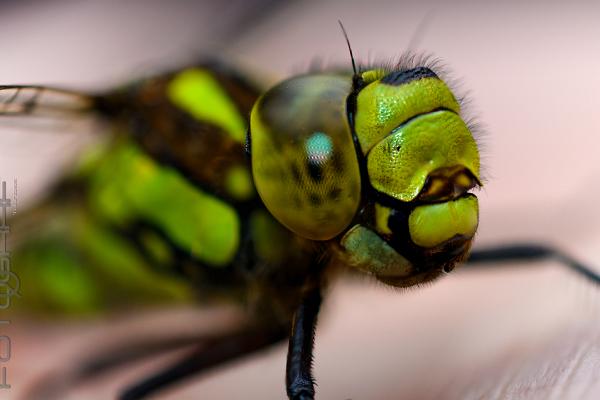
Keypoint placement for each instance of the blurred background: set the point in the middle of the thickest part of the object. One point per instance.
(531, 71)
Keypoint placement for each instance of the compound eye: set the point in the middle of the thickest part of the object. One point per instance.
(303, 158)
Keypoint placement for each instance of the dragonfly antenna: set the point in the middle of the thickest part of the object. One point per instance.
(349, 47)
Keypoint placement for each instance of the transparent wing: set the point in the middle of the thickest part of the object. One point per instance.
(20, 100)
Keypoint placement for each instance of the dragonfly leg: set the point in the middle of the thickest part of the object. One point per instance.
(531, 252)
(299, 378)
(131, 352)
(55, 384)
(212, 353)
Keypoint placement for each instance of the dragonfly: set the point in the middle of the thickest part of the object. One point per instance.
(226, 189)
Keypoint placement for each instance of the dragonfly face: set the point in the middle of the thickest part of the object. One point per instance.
(380, 163)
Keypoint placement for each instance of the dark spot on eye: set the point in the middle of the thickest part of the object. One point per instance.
(315, 199)
(338, 162)
(335, 193)
(315, 171)
(295, 173)
(397, 148)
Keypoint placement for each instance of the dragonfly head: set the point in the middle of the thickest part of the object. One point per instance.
(420, 161)
(379, 164)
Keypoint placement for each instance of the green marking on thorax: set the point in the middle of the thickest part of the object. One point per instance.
(198, 222)
(271, 240)
(157, 248)
(55, 280)
(72, 265)
(197, 92)
(121, 265)
(238, 183)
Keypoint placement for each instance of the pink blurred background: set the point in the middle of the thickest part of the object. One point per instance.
(529, 332)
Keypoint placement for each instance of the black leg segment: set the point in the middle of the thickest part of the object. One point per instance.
(299, 379)
(531, 252)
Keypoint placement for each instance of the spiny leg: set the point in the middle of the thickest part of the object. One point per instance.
(531, 252)
(212, 353)
(299, 379)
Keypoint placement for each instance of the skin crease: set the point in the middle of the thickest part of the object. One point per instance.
(525, 332)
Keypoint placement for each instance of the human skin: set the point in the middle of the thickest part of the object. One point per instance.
(476, 334)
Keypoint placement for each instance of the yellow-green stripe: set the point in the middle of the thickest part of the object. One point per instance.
(199, 93)
(196, 221)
